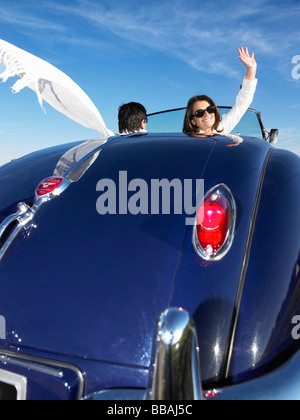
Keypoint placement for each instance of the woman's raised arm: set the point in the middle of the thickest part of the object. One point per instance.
(249, 62)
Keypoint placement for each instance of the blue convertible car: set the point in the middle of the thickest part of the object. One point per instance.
(110, 289)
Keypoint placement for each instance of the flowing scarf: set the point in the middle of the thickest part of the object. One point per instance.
(50, 85)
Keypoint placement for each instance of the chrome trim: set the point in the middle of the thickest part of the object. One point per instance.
(283, 384)
(17, 381)
(83, 160)
(218, 190)
(19, 215)
(96, 151)
(50, 367)
(25, 215)
(58, 373)
(176, 371)
(119, 395)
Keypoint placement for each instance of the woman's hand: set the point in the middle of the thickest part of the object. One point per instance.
(249, 62)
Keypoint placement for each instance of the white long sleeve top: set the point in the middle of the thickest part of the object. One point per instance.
(243, 101)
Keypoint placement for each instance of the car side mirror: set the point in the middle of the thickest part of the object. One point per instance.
(273, 136)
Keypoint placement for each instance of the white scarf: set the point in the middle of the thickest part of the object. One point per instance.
(50, 85)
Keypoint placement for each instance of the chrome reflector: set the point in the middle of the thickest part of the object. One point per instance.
(23, 219)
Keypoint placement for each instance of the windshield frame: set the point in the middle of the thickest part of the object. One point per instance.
(257, 113)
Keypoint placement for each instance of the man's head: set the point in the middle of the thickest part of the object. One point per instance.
(132, 118)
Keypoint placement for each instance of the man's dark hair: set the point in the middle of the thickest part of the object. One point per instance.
(130, 117)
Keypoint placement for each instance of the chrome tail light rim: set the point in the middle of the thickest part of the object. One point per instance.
(224, 191)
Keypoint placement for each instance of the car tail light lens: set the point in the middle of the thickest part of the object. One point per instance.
(215, 224)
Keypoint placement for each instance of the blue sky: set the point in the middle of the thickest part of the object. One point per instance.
(156, 52)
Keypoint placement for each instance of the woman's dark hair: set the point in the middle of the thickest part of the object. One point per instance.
(188, 127)
(131, 116)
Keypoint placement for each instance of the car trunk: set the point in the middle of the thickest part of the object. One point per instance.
(93, 286)
(89, 285)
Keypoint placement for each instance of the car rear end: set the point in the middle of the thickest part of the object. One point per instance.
(83, 291)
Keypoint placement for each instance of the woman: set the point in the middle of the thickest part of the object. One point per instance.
(202, 115)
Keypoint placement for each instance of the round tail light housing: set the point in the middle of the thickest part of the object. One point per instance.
(215, 224)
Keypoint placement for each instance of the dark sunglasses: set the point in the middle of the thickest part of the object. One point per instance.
(201, 112)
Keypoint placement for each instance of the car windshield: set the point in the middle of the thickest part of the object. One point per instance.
(172, 122)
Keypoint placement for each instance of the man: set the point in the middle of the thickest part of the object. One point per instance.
(132, 118)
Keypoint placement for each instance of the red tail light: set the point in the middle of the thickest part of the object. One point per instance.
(214, 229)
(213, 225)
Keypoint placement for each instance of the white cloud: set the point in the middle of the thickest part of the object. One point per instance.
(174, 30)
(204, 35)
(289, 138)
(292, 148)
(27, 20)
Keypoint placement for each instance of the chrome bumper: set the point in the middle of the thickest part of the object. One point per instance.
(176, 374)
(177, 369)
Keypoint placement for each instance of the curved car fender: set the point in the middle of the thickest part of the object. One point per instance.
(271, 294)
(208, 290)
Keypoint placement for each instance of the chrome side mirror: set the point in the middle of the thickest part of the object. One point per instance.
(273, 136)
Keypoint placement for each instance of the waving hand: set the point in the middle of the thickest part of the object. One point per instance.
(249, 62)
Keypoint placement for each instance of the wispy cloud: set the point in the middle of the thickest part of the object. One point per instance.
(289, 138)
(4, 127)
(205, 35)
(27, 20)
(202, 34)
(295, 148)
(173, 30)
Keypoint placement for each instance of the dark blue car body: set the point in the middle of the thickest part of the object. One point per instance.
(81, 293)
